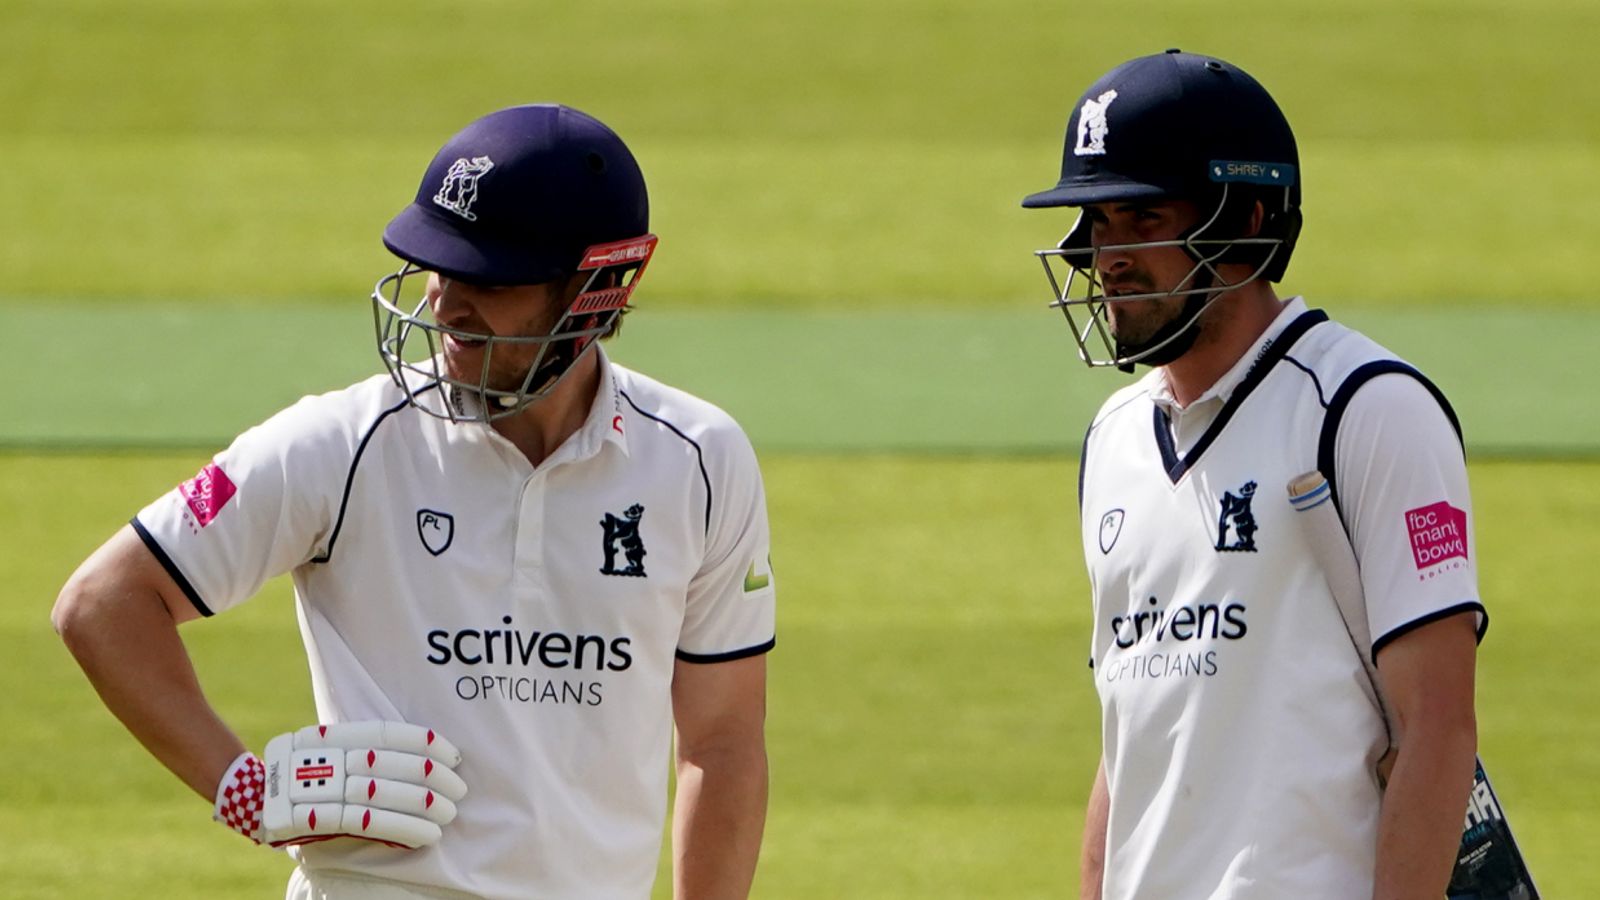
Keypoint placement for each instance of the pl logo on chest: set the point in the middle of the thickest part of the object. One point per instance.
(1236, 525)
(622, 535)
(437, 530)
(1110, 529)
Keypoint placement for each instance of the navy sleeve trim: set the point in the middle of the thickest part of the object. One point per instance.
(701, 658)
(698, 452)
(171, 567)
(1341, 401)
(1414, 624)
(350, 477)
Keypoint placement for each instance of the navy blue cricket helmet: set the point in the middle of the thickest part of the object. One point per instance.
(528, 195)
(1186, 126)
(518, 195)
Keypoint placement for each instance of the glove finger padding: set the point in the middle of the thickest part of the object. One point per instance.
(401, 736)
(397, 796)
(383, 781)
(313, 822)
(406, 767)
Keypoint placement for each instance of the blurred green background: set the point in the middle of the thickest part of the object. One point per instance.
(193, 194)
(830, 153)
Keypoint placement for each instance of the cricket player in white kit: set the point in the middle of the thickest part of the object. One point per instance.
(1243, 748)
(521, 571)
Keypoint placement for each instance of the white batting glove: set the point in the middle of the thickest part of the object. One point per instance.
(389, 782)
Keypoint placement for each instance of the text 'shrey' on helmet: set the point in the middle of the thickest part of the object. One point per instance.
(527, 195)
(1182, 126)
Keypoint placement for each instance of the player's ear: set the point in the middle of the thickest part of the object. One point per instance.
(1258, 215)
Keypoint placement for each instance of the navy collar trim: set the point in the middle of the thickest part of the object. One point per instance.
(1177, 466)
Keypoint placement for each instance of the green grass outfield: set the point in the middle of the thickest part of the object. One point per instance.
(933, 728)
(193, 193)
(828, 153)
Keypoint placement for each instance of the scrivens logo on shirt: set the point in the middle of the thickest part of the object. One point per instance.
(514, 664)
(1173, 642)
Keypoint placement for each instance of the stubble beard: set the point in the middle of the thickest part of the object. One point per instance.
(1134, 322)
(506, 373)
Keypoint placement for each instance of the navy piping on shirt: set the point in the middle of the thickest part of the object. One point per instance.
(171, 567)
(1083, 463)
(1436, 615)
(1316, 382)
(183, 582)
(699, 453)
(1083, 455)
(1327, 440)
(1177, 466)
(730, 656)
(350, 477)
(1326, 464)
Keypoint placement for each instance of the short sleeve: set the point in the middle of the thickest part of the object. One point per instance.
(1402, 484)
(258, 509)
(731, 604)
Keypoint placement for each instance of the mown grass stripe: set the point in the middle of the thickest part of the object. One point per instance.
(939, 382)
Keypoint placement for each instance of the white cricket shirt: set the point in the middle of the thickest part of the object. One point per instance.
(1238, 739)
(532, 615)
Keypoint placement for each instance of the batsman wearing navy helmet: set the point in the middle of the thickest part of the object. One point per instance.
(1270, 728)
(524, 574)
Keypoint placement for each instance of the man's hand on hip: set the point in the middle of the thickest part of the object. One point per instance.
(390, 782)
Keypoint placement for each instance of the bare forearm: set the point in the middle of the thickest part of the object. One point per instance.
(128, 646)
(1092, 863)
(1424, 806)
(720, 811)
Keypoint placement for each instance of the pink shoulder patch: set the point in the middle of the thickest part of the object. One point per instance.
(1438, 533)
(207, 493)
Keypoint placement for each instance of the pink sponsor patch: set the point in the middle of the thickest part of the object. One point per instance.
(207, 493)
(1438, 532)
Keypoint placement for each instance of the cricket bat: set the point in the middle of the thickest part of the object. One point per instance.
(1488, 865)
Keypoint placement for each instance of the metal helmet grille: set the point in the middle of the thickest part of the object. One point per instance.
(410, 345)
(1080, 288)
(410, 341)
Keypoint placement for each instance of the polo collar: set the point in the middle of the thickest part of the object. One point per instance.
(604, 423)
(605, 415)
(1260, 364)
(1221, 391)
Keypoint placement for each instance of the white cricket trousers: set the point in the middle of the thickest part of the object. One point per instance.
(327, 885)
